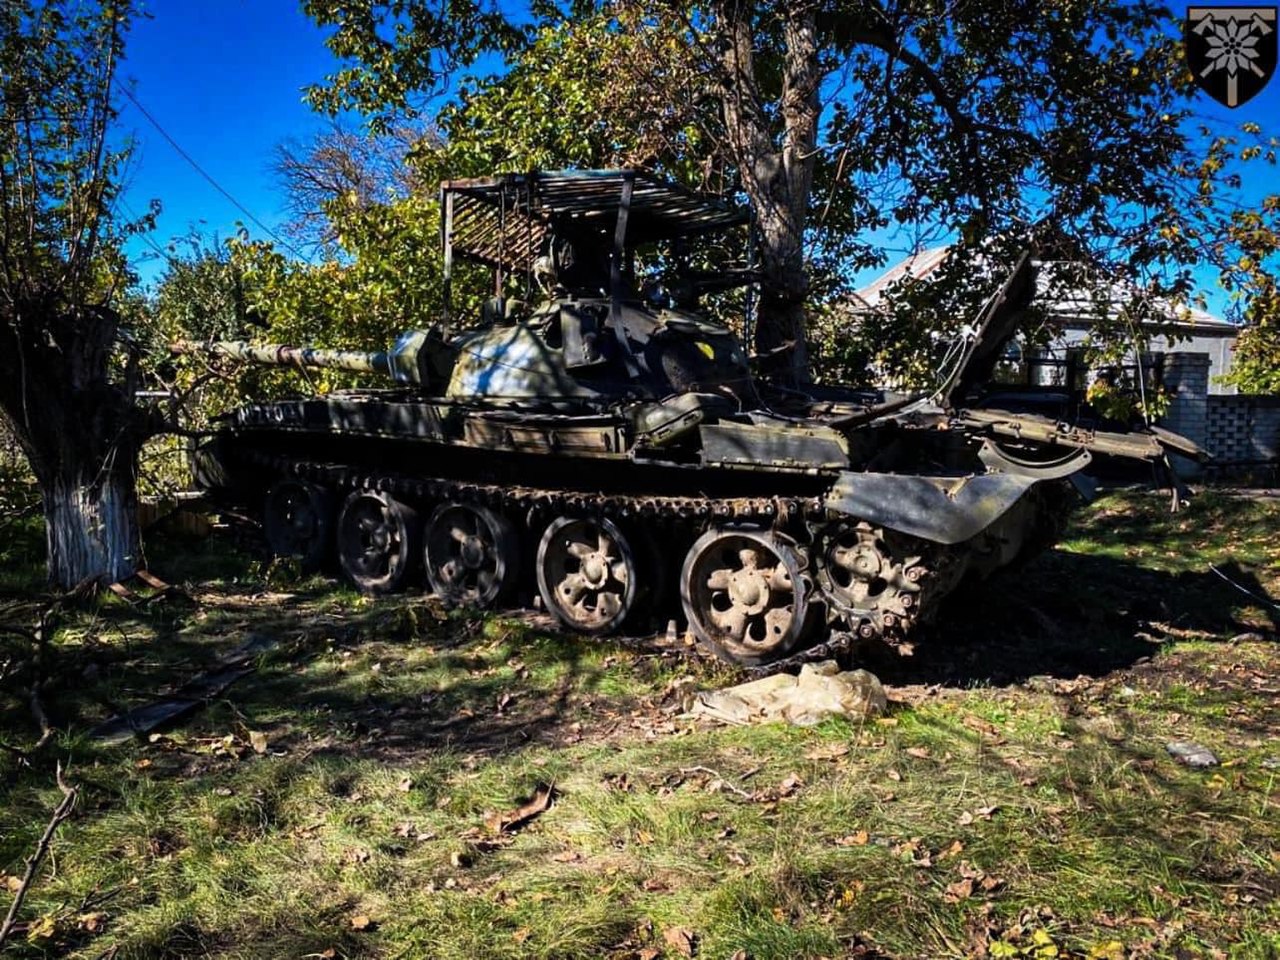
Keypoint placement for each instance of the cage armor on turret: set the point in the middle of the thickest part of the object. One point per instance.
(603, 445)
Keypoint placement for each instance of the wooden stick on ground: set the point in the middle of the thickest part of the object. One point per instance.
(60, 813)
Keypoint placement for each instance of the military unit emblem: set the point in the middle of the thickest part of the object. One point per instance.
(1231, 50)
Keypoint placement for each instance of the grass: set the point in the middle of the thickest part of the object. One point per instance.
(1017, 801)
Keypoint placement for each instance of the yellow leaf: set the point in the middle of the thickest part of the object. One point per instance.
(43, 929)
(1111, 950)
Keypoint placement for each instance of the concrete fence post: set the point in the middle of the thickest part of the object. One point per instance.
(1186, 377)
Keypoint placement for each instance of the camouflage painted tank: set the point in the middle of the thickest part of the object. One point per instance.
(608, 450)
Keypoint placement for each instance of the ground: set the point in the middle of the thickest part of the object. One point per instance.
(365, 792)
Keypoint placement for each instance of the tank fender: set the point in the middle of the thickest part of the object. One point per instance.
(942, 509)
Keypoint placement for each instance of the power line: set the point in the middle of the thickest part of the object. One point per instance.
(200, 170)
(146, 237)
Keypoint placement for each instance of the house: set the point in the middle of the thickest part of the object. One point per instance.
(1073, 314)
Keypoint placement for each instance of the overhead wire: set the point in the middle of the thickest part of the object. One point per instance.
(146, 237)
(200, 170)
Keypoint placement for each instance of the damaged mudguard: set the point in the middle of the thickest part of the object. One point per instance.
(941, 509)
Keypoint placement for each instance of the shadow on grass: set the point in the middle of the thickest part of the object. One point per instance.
(1068, 614)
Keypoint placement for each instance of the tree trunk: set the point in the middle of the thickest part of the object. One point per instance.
(81, 434)
(91, 523)
(773, 147)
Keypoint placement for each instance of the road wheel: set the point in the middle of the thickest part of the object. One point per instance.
(743, 594)
(297, 519)
(587, 574)
(377, 541)
(472, 554)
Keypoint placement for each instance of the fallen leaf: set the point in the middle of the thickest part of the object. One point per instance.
(405, 784)
(681, 939)
(644, 838)
(42, 929)
(514, 820)
(362, 921)
(920, 753)
(960, 890)
(91, 922)
(858, 839)
(258, 740)
(894, 775)
(790, 785)
(952, 851)
(832, 751)
(1110, 950)
(567, 856)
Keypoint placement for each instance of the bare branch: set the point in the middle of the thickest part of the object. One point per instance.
(60, 813)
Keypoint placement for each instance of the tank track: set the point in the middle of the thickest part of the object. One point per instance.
(532, 502)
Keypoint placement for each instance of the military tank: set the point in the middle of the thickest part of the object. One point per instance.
(605, 450)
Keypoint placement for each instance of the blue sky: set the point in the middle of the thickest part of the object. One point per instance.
(224, 78)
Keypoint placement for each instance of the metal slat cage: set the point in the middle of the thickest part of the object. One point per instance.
(503, 221)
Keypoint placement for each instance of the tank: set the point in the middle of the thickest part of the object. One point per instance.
(602, 449)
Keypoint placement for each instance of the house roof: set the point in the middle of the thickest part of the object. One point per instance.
(1077, 307)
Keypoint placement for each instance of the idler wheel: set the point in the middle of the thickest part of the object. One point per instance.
(377, 541)
(743, 594)
(297, 519)
(472, 554)
(587, 574)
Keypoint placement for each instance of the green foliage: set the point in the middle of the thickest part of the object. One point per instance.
(384, 277)
(585, 93)
(970, 127)
(1252, 241)
(59, 171)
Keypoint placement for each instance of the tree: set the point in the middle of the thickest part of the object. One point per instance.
(832, 117)
(68, 370)
(344, 164)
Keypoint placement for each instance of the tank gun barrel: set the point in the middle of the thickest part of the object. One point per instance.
(280, 355)
(404, 363)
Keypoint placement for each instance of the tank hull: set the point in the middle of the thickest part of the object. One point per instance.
(847, 554)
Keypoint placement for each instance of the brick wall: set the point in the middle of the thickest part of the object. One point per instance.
(1242, 432)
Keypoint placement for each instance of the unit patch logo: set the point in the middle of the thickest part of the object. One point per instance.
(1231, 50)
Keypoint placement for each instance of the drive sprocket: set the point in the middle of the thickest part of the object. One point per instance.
(870, 577)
